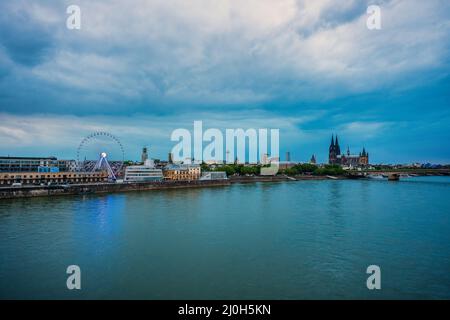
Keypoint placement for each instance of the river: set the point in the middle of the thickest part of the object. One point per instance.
(288, 240)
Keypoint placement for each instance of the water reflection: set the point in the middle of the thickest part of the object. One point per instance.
(305, 239)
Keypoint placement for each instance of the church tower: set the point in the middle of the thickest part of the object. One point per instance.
(364, 157)
(332, 154)
(337, 147)
(144, 155)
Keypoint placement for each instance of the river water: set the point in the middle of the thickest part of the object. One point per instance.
(290, 240)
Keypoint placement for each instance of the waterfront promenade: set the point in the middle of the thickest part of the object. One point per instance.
(100, 188)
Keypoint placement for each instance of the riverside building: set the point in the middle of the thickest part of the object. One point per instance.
(143, 173)
(34, 164)
(38, 178)
(182, 172)
(214, 175)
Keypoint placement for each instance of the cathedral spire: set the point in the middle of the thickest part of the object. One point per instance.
(332, 151)
(338, 148)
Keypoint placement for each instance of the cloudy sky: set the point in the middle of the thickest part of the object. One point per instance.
(140, 69)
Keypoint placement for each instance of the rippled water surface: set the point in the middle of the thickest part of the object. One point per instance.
(293, 240)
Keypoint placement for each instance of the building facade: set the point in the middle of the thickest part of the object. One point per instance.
(347, 159)
(214, 175)
(34, 164)
(182, 172)
(144, 173)
(144, 155)
(38, 178)
(288, 156)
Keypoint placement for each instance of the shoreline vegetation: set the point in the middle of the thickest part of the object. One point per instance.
(308, 169)
(298, 169)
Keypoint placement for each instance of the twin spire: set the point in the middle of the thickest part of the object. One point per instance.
(337, 149)
(332, 141)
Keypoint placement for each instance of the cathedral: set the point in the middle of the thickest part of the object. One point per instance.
(347, 159)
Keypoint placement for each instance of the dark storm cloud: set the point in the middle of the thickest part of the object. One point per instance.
(175, 59)
(25, 40)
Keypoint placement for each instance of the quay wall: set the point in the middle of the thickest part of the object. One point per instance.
(98, 188)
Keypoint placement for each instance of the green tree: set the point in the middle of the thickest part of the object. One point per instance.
(204, 167)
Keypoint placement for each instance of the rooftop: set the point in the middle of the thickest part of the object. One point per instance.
(27, 158)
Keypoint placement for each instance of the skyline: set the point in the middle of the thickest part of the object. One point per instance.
(309, 70)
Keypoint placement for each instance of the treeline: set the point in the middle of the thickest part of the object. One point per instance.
(305, 168)
(232, 169)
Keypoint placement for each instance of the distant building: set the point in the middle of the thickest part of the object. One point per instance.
(48, 169)
(348, 159)
(170, 158)
(34, 164)
(160, 163)
(213, 162)
(288, 157)
(143, 173)
(144, 155)
(182, 172)
(214, 175)
(313, 159)
(364, 157)
(286, 165)
(37, 178)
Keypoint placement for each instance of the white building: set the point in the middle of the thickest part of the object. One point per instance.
(214, 175)
(144, 173)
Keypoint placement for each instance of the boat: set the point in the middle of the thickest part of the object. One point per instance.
(375, 176)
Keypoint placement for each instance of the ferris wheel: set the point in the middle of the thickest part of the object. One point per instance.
(101, 151)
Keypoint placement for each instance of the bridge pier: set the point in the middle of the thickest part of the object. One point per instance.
(393, 177)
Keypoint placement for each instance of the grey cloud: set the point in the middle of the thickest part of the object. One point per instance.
(26, 41)
(151, 56)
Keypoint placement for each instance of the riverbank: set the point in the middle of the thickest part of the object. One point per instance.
(99, 188)
(279, 178)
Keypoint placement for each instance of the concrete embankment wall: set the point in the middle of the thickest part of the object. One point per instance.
(39, 191)
(240, 179)
(279, 178)
(80, 189)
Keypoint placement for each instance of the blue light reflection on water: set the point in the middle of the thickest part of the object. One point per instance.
(307, 239)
